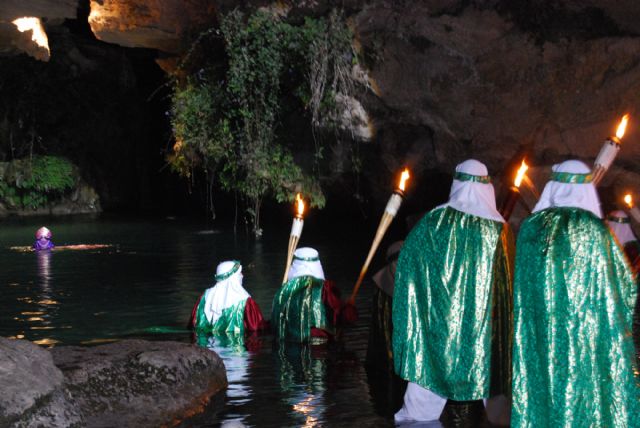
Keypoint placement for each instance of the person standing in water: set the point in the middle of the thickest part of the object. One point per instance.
(227, 307)
(307, 307)
(43, 239)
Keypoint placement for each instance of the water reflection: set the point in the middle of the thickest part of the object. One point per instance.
(236, 358)
(44, 271)
(302, 372)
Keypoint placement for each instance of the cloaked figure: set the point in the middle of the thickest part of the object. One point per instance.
(307, 307)
(574, 294)
(43, 239)
(452, 303)
(227, 307)
(619, 224)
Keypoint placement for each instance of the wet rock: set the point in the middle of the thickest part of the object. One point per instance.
(28, 378)
(139, 383)
(128, 383)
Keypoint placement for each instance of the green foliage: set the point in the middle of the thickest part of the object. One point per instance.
(227, 120)
(34, 182)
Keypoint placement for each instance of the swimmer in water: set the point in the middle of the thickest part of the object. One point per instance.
(43, 239)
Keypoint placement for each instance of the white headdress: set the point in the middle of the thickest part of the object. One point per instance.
(306, 262)
(618, 222)
(472, 191)
(570, 186)
(227, 292)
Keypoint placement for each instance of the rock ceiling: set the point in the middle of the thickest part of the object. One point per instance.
(450, 79)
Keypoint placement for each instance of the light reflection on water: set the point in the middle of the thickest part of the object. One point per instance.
(147, 282)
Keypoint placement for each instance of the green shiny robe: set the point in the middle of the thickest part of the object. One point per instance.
(452, 306)
(574, 296)
(231, 320)
(297, 307)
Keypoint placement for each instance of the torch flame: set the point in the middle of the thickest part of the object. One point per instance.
(403, 179)
(300, 203)
(622, 126)
(37, 31)
(628, 200)
(520, 175)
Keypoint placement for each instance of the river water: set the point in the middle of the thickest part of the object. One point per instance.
(146, 283)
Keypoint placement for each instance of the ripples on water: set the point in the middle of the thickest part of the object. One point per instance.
(148, 281)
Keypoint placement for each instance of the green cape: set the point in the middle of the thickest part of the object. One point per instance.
(573, 302)
(231, 320)
(297, 307)
(452, 296)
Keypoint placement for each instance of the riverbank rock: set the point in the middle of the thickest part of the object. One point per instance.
(128, 383)
(28, 379)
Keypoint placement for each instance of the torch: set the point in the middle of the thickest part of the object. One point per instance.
(633, 210)
(294, 236)
(514, 192)
(387, 217)
(609, 150)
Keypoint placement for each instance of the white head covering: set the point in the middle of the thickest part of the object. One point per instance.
(472, 191)
(306, 262)
(570, 186)
(618, 222)
(227, 292)
(384, 278)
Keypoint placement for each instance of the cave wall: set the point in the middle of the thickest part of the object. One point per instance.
(447, 79)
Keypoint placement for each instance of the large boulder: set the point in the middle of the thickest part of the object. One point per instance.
(28, 379)
(128, 383)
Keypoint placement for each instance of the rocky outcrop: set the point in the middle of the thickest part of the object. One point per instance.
(447, 79)
(128, 383)
(157, 24)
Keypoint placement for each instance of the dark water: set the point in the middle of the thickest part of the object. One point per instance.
(151, 277)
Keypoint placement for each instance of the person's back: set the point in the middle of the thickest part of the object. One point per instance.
(227, 307)
(451, 302)
(573, 300)
(306, 307)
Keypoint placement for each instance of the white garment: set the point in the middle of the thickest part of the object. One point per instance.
(583, 195)
(478, 199)
(385, 277)
(420, 404)
(225, 293)
(622, 231)
(306, 267)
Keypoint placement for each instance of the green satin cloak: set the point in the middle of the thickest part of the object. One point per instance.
(297, 307)
(573, 302)
(231, 320)
(452, 306)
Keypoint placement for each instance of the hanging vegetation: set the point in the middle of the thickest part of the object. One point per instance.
(34, 182)
(226, 118)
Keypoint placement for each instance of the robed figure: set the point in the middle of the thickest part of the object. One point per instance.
(574, 295)
(618, 222)
(451, 302)
(307, 307)
(227, 307)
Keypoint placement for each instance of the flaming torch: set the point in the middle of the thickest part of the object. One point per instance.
(514, 192)
(387, 217)
(633, 210)
(609, 150)
(294, 236)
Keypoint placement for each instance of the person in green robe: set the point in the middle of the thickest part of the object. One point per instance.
(452, 301)
(227, 307)
(307, 307)
(574, 296)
